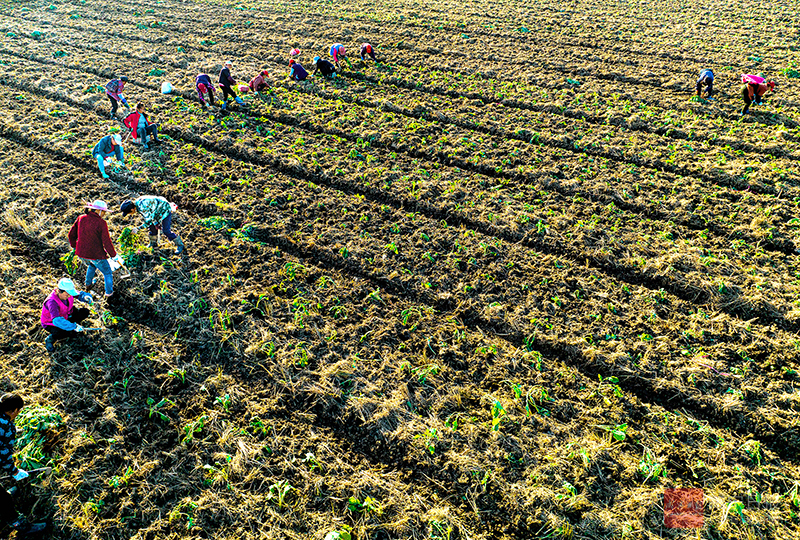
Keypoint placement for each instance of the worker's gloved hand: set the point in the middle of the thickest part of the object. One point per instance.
(118, 259)
(21, 475)
(79, 328)
(135, 230)
(86, 297)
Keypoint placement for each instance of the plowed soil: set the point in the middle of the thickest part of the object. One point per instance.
(510, 282)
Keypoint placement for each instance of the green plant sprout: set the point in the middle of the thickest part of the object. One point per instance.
(224, 402)
(429, 438)
(367, 506)
(279, 492)
(191, 428)
(618, 432)
(153, 408)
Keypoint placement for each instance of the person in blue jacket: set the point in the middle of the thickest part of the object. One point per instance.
(297, 72)
(706, 79)
(108, 146)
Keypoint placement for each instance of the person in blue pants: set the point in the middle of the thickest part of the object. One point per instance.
(110, 145)
(706, 79)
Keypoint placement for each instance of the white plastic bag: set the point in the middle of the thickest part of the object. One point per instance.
(166, 88)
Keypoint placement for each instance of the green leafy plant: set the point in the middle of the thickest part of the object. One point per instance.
(279, 492)
(429, 438)
(342, 534)
(70, 262)
(368, 505)
(154, 409)
(618, 432)
(33, 423)
(190, 429)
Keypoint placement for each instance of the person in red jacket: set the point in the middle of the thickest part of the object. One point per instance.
(753, 90)
(92, 243)
(139, 123)
(259, 82)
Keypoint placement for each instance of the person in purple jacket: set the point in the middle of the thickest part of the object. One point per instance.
(114, 92)
(227, 84)
(297, 72)
(204, 86)
(58, 316)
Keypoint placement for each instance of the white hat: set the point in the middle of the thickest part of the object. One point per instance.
(118, 139)
(66, 285)
(98, 205)
(228, 63)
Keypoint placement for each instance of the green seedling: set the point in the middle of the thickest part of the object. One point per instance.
(312, 462)
(429, 439)
(367, 506)
(279, 491)
(224, 402)
(341, 534)
(191, 428)
(184, 511)
(119, 481)
(499, 415)
(70, 262)
(618, 432)
(154, 409)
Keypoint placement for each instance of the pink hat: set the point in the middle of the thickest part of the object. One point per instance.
(98, 205)
(294, 52)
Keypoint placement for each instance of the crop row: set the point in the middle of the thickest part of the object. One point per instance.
(484, 285)
(444, 431)
(501, 202)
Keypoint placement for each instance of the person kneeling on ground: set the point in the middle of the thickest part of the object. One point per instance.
(367, 49)
(137, 121)
(58, 316)
(323, 66)
(204, 86)
(10, 407)
(155, 211)
(227, 84)
(108, 146)
(753, 90)
(259, 82)
(92, 244)
(706, 79)
(297, 72)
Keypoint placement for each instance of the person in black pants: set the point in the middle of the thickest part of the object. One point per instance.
(10, 407)
(706, 78)
(227, 84)
(327, 69)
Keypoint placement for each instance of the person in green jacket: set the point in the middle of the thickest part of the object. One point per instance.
(155, 211)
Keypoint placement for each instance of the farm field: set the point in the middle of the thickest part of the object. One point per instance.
(510, 282)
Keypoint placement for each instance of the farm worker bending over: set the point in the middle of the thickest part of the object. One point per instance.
(706, 79)
(108, 146)
(114, 92)
(753, 89)
(204, 86)
(297, 72)
(92, 243)
(259, 82)
(10, 407)
(323, 66)
(58, 316)
(155, 211)
(367, 49)
(338, 53)
(137, 121)
(227, 84)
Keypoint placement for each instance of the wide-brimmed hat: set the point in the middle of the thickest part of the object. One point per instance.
(127, 207)
(117, 139)
(66, 285)
(98, 205)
